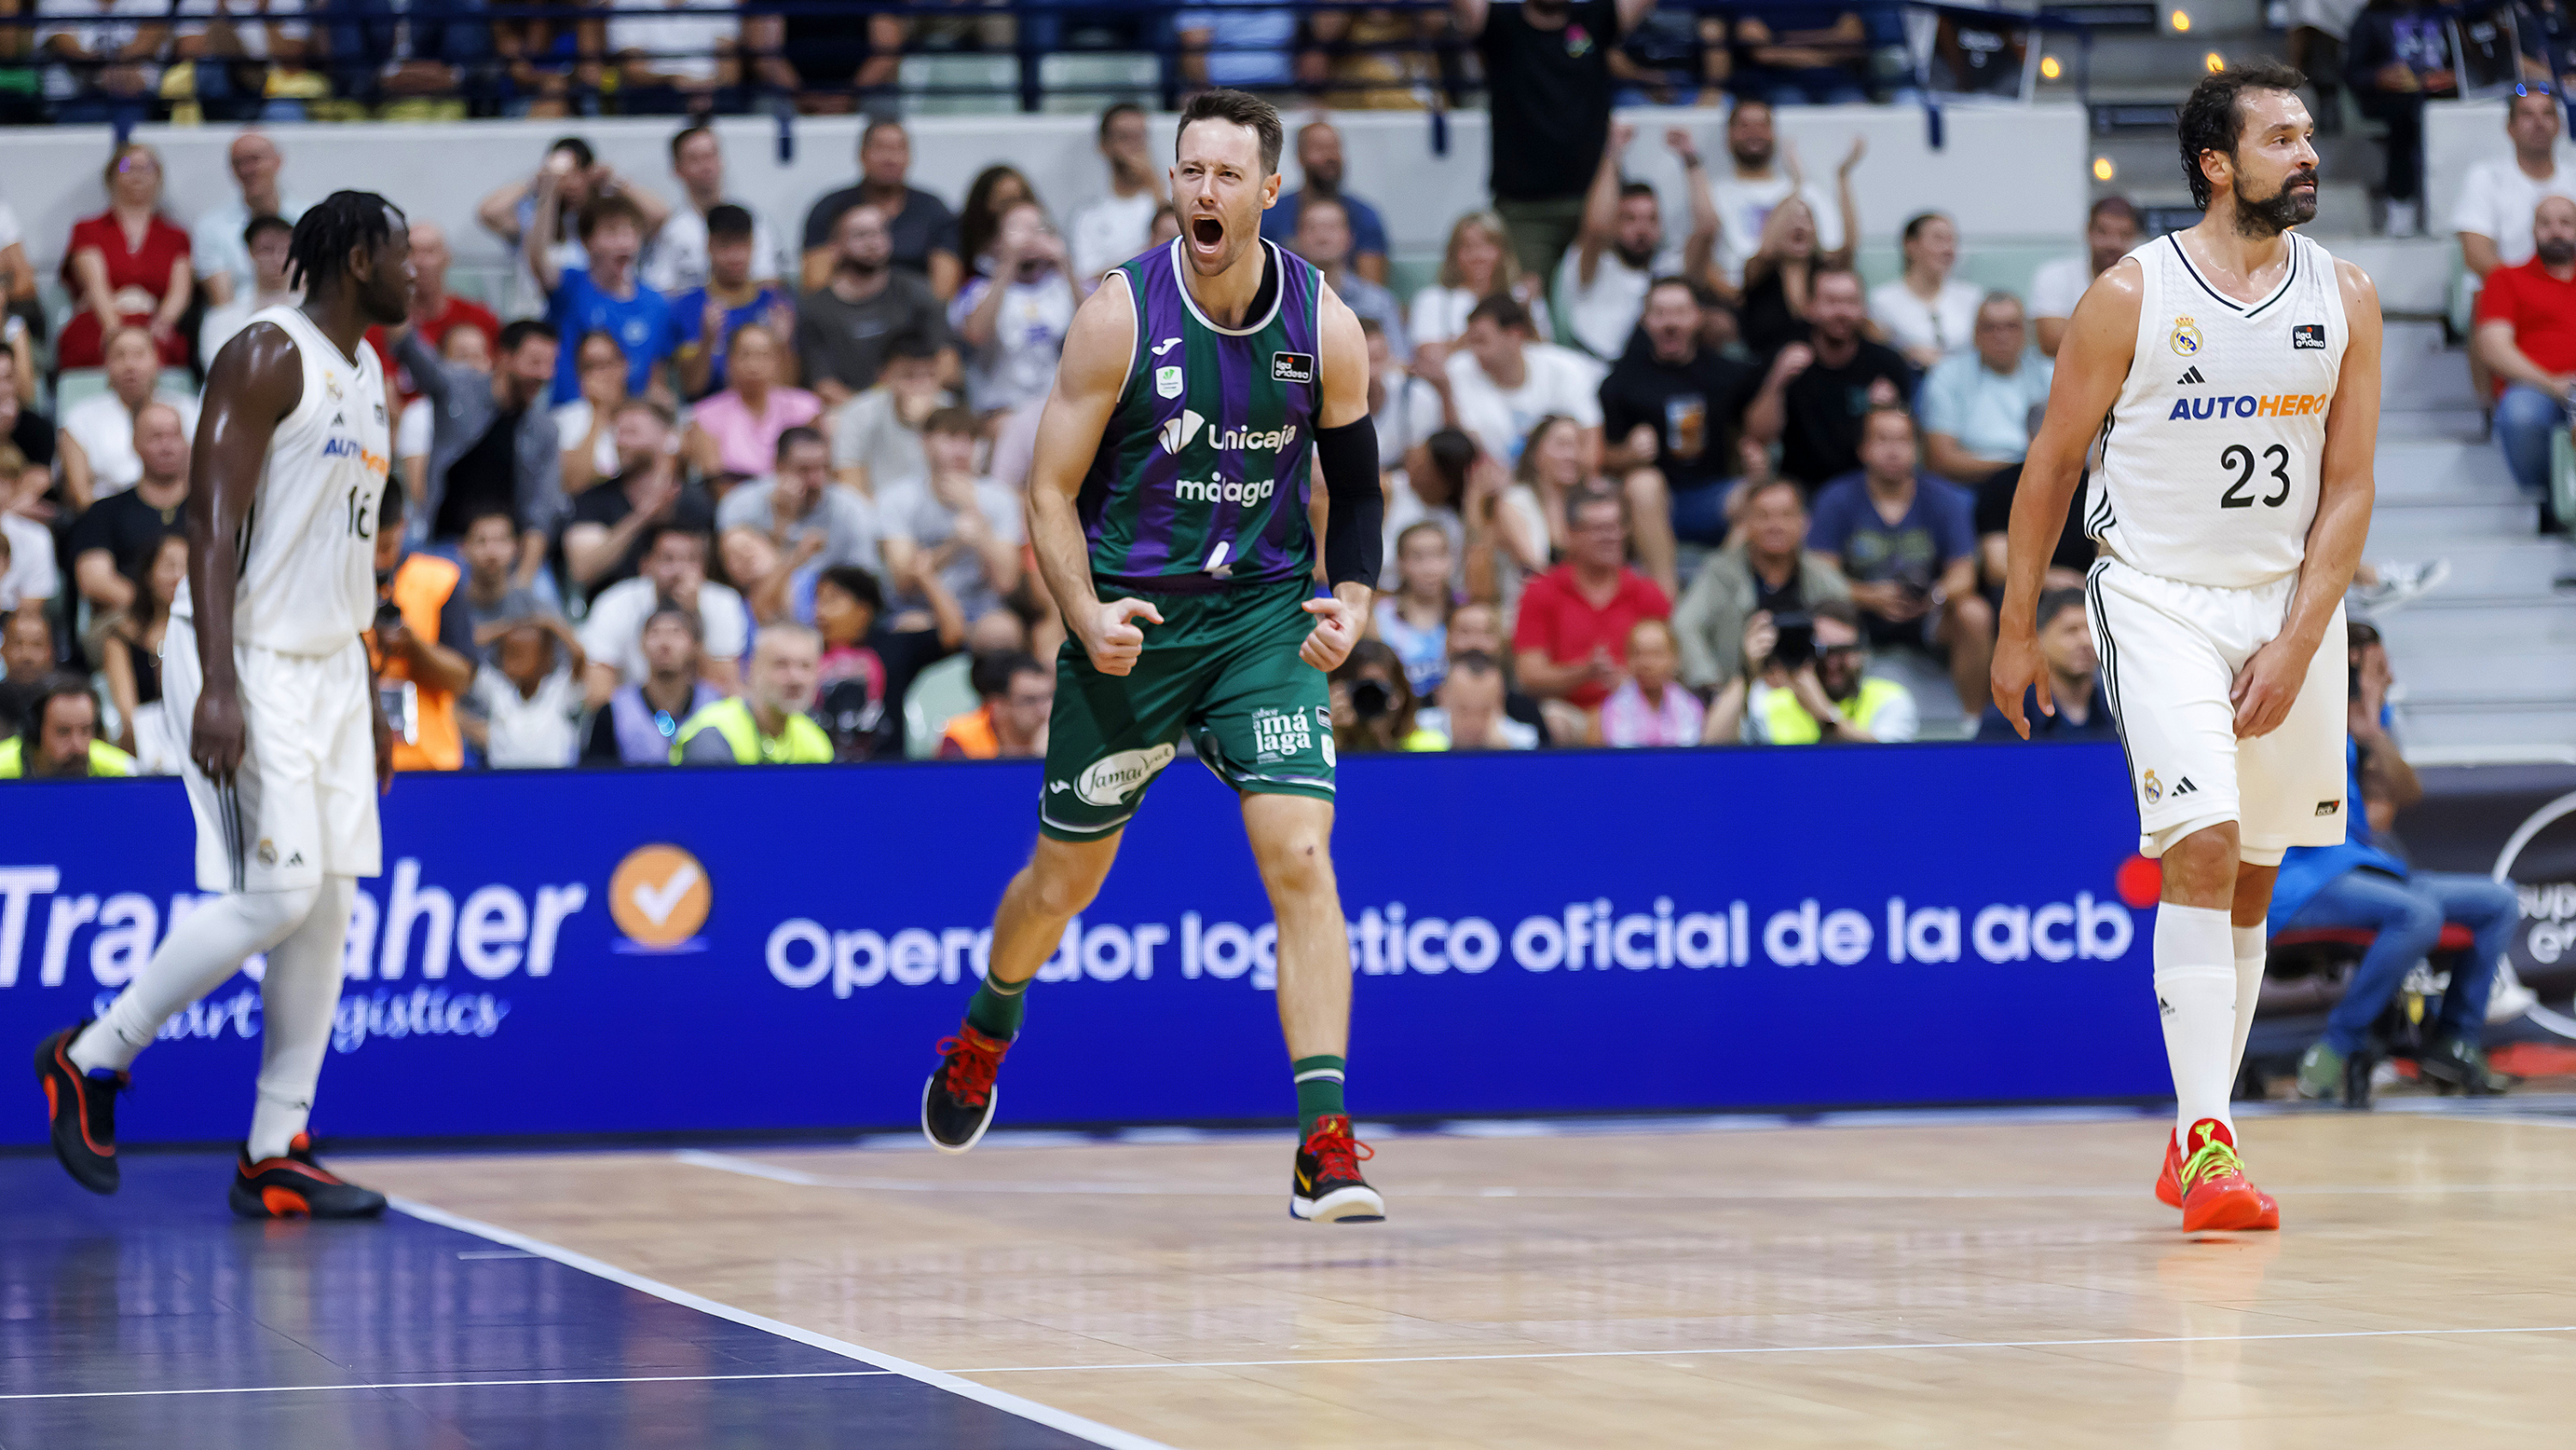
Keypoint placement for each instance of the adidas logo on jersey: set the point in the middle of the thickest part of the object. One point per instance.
(2191, 378)
(2184, 787)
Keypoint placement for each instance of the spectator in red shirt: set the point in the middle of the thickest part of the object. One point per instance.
(2527, 337)
(127, 265)
(434, 309)
(1571, 642)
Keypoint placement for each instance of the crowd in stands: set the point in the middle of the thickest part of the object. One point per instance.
(753, 485)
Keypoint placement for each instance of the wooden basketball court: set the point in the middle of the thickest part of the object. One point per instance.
(1895, 1279)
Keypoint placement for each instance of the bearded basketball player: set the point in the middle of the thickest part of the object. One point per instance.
(2230, 373)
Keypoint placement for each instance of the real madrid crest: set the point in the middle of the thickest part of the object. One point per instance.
(2185, 340)
(2155, 791)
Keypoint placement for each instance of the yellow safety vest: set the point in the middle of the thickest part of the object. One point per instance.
(104, 759)
(1786, 722)
(803, 742)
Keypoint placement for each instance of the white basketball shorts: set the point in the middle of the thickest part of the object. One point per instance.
(303, 803)
(2170, 655)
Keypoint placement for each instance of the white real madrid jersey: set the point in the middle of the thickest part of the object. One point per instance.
(2209, 459)
(307, 583)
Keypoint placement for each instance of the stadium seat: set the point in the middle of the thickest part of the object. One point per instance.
(959, 85)
(939, 694)
(1082, 82)
(2455, 938)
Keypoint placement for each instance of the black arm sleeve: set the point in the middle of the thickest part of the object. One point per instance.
(1355, 526)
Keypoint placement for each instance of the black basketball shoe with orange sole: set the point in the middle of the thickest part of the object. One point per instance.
(83, 1111)
(297, 1187)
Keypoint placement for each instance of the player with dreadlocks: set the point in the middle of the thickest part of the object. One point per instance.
(286, 742)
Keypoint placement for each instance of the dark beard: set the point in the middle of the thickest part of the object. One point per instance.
(2280, 211)
(1754, 156)
(2557, 253)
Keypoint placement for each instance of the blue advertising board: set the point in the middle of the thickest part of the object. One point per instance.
(675, 951)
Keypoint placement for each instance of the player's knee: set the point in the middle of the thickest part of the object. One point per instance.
(1059, 884)
(2202, 865)
(1297, 863)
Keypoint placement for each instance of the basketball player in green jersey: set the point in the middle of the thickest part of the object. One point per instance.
(1201, 386)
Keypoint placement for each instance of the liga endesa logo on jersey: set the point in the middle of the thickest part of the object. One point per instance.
(2247, 405)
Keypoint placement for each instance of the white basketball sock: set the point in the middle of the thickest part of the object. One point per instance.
(208, 946)
(2249, 988)
(297, 1000)
(2196, 995)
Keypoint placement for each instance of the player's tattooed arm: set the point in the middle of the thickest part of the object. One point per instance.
(2270, 681)
(256, 380)
(1097, 352)
(2092, 364)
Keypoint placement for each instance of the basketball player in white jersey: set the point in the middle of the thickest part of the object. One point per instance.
(2231, 375)
(286, 744)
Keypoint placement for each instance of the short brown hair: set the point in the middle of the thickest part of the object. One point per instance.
(950, 419)
(1239, 109)
(613, 207)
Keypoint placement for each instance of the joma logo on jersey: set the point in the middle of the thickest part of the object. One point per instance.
(2247, 405)
(1223, 490)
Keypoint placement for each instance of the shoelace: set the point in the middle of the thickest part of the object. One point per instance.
(1337, 1153)
(971, 1069)
(2210, 1160)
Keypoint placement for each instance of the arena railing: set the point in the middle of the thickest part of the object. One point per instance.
(1020, 55)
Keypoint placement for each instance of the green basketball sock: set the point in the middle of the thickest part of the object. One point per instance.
(1319, 1091)
(998, 1007)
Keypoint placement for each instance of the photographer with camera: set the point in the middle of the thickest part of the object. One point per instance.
(1373, 706)
(422, 645)
(1769, 570)
(1805, 679)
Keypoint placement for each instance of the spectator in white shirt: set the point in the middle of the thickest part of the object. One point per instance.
(525, 709)
(674, 570)
(1755, 185)
(676, 262)
(1621, 247)
(105, 57)
(2110, 233)
(265, 240)
(2498, 196)
(1500, 380)
(1469, 715)
(1927, 314)
(28, 572)
(1404, 408)
(97, 441)
(587, 426)
(217, 246)
(1107, 230)
(1478, 263)
(1011, 317)
(876, 436)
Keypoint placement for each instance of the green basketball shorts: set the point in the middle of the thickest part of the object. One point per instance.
(1222, 666)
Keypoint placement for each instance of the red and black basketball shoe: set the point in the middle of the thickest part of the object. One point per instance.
(1328, 1187)
(83, 1111)
(957, 1102)
(297, 1187)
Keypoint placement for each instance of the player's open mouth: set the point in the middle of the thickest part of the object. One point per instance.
(1207, 233)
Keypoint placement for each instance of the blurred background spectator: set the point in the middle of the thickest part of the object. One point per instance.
(2397, 57)
(131, 523)
(528, 700)
(1651, 707)
(218, 247)
(97, 438)
(2083, 708)
(846, 323)
(1981, 408)
(1373, 707)
(105, 59)
(26, 663)
(1756, 182)
(767, 723)
(422, 646)
(2526, 319)
(681, 258)
(1780, 277)
(1110, 228)
(876, 435)
(1679, 408)
(1011, 316)
(1323, 237)
(1803, 691)
(642, 716)
(1926, 313)
(1413, 620)
(60, 740)
(964, 530)
(1469, 713)
(1833, 381)
(604, 295)
(730, 299)
(492, 443)
(1319, 169)
(1620, 246)
(1477, 263)
(674, 572)
(263, 286)
(1905, 541)
(921, 232)
(1797, 54)
(434, 309)
(608, 535)
(130, 658)
(2112, 230)
(868, 667)
(1548, 92)
(797, 503)
(1766, 574)
(734, 434)
(128, 266)
(1015, 695)
(1571, 641)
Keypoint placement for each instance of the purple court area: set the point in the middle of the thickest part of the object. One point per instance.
(154, 1319)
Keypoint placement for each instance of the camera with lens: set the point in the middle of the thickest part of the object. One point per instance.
(1797, 642)
(1371, 699)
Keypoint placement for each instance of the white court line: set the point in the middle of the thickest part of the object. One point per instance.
(1763, 1349)
(640, 1379)
(753, 1168)
(1047, 1415)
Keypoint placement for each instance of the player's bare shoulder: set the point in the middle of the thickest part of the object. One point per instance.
(262, 364)
(1100, 347)
(2106, 316)
(2360, 297)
